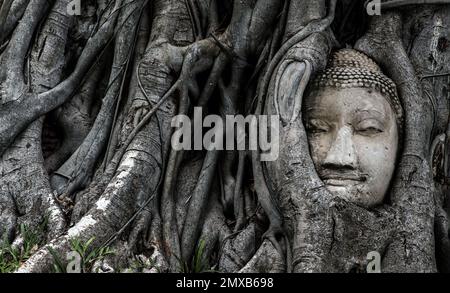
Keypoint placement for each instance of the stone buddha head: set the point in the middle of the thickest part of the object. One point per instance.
(353, 119)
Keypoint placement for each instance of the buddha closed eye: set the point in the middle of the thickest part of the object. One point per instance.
(353, 134)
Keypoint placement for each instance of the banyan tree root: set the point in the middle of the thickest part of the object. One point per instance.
(413, 190)
(122, 185)
(311, 216)
(24, 178)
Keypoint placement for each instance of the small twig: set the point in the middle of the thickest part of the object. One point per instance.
(434, 75)
(123, 70)
(229, 50)
(149, 115)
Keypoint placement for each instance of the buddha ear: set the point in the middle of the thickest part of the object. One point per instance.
(290, 86)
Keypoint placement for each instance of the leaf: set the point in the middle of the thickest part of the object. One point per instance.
(58, 265)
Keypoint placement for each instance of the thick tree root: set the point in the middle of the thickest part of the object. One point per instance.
(111, 211)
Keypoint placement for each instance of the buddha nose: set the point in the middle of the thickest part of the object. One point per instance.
(342, 151)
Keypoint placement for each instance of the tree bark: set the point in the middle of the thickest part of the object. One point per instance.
(86, 111)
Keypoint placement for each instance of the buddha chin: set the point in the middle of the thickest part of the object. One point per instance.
(352, 192)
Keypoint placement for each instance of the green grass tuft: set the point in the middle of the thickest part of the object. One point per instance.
(88, 255)
(11, 258)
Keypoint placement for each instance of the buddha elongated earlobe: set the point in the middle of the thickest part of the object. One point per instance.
(290, 87)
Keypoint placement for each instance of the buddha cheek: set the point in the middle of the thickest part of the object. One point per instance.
(319, 144)
(377, 161)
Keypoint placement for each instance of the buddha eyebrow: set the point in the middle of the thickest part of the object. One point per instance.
(371, 111)
(310, 109)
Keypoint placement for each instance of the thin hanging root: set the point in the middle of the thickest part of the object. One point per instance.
(180, 84)
(175, 157)
(228, 180)
(266, 198)
(239, 203)
(20, 43)
(75, 127)
(132, 218)
(4, 11)
(149, 116)
(122, 84)
(268, 203)
(176, 86)
(289, 266)
(151, 197)
(141, 44)
(11, 21)
(170, 229)
(199, 197)
(195, 19)
(214, 77)
(90, 150)
(197, 205)
(189, 62)
(213, 228)
(202, 189)
(400, 3)
(173, 163)
(34, 105)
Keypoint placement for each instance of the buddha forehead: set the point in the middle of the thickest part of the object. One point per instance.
(347, 103)
(347, 75)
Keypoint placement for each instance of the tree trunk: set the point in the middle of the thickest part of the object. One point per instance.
(88, 105)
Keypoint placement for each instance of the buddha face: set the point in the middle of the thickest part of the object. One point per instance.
(353, 139)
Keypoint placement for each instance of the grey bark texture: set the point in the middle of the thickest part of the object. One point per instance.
(86, 107)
